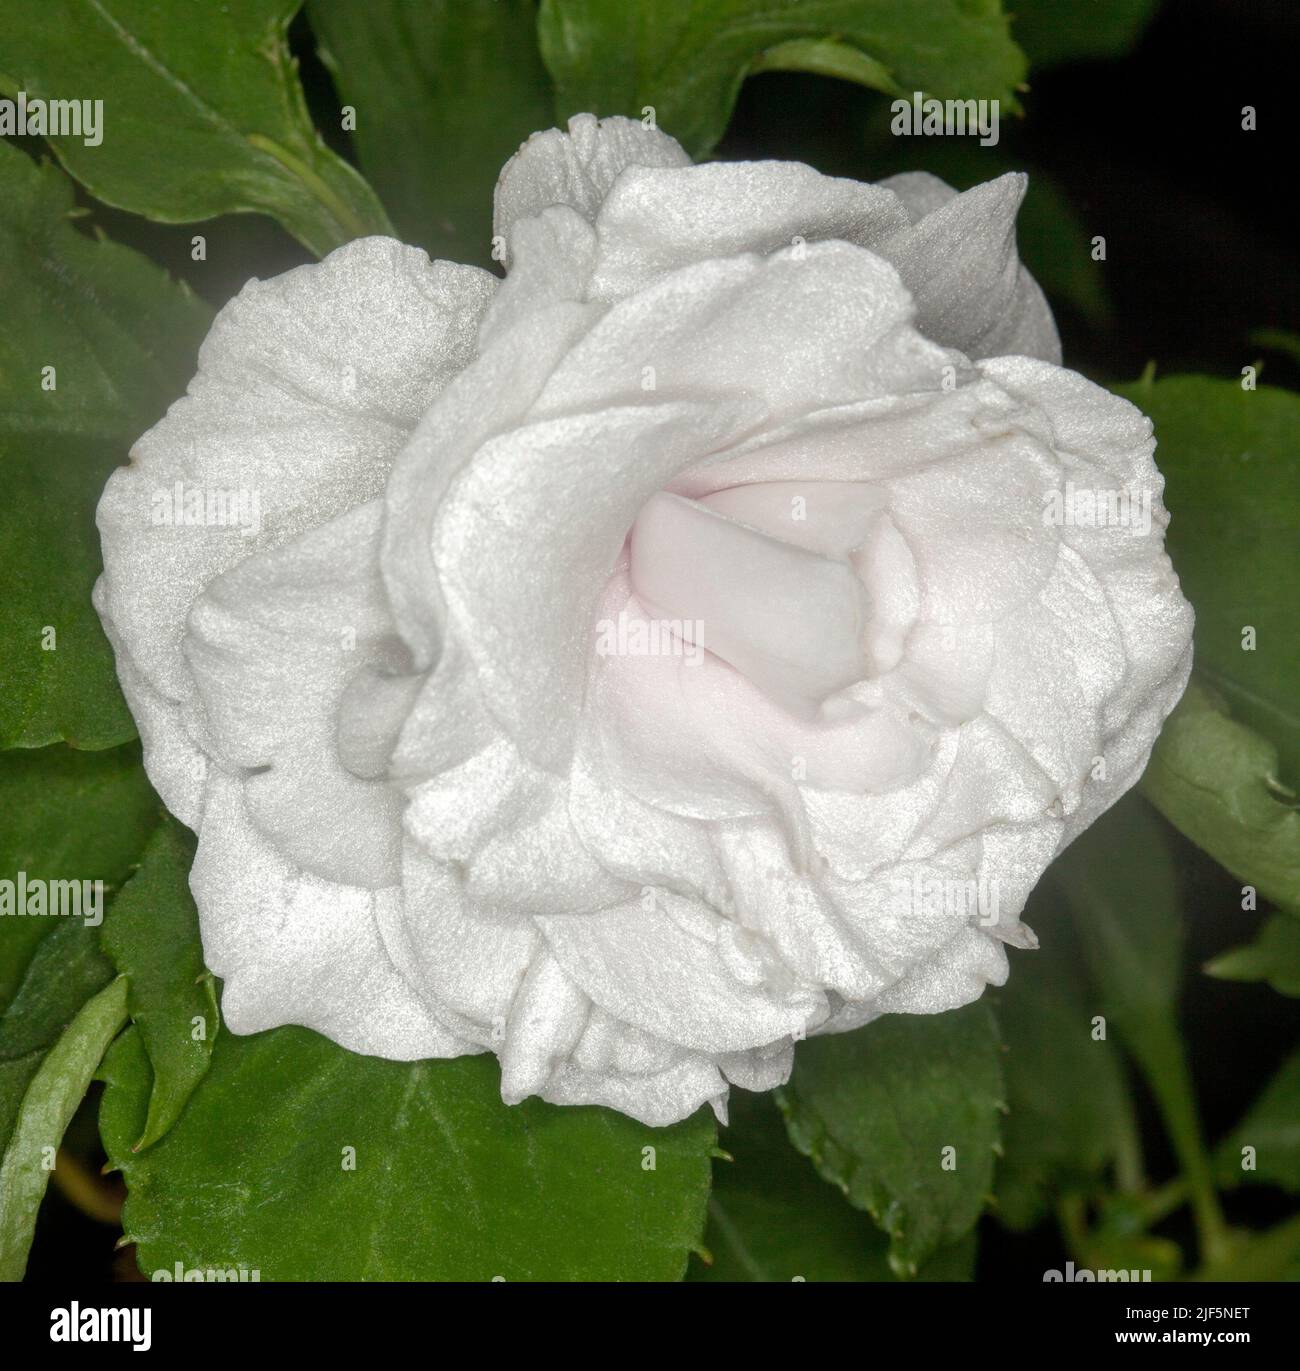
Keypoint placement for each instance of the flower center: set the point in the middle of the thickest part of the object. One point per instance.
(779, 578)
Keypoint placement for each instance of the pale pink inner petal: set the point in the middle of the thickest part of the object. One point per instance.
(841, 520)
(799, 638)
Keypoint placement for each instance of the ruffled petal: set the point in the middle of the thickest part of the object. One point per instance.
(295, 949)
(681, 972)
(489, 398)
(576, 168)
(968, 964)
(553, 256)
(958, 258)
(656, 220)
(466, 962)
(308, 385)
(707, 331)
(273, 644)
(521, 577)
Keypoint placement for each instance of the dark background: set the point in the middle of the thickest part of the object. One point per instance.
(1198, 215)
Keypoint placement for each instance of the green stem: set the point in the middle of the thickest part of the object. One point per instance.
(1071, 1214)
(1160, 1203)
(1130, 1167)
(1268, 1256)
(59, 1086)
(1160, 1049)
(97, 1198)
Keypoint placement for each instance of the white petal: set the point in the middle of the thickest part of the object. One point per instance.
(761, 1068)
(507, 828)
(830, 518)
(971, 961)
(1012, 859)
(295, 949)
(576, 168)
(488, 398)
(959, 261)
(636, 841)
(903, 914)
(1055, 664)
(522, 575)
(468, 963)
(877, 439)
(658, 1100)
(861, 833)
(1107, 445)
(307, 386)
(944, 674)
(696, 738)
(176, 765)
(793, 332)
(993, 780)
(802, 640)
(797, 914)
(701, 988)
(273, 644)
(655, 220)
(919, 192)
(552, 257)
(546, 1020)
(974, 525)
(1127, 747)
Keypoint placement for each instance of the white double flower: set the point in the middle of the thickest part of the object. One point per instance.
(803, 429)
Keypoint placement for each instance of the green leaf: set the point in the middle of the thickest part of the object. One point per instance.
(67, 969)
(448, 1184)
(120, 339)
(1272, 1128)
(462, 81)
(1217, 781)
(1055, 31)
(687, 58)
(202, 112)
(64, 684)
(153, 939)
(1274, 957)
(876, 1110)
(51, 1099)
(1273, 1255)
(771, 1218)
(1120, 884)
(824, 57)
(68, 816)
(1229, 462)
(1070, 1120)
